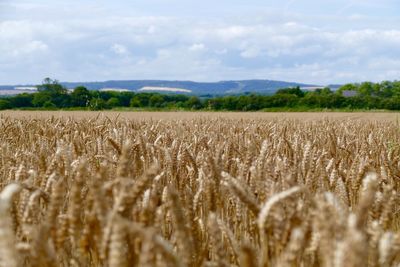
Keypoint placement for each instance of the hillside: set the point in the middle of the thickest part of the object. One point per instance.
(197, 88)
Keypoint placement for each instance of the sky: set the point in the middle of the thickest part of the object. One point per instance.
(317, 42)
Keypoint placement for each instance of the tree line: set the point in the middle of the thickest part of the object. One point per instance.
(52, 95)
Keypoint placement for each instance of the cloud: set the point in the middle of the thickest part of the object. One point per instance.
(97, 46)
(197, 47)
(119, 49)
(250, 52)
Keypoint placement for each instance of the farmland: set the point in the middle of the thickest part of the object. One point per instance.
(199, 189)
(184, 115)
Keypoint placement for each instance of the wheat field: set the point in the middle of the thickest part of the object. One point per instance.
(185, 115)
(188, 190)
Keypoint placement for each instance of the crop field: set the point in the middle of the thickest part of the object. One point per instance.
(185, 115)
(199, 189)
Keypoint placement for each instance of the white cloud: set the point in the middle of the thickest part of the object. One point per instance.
(250, 52)
(197, 47)
(292, 47)
(164, 53)
(119, 49)
(222, 51)
(230, 33)
(31, 47)
(151, 29)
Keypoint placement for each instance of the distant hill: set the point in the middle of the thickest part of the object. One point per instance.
(197, 88)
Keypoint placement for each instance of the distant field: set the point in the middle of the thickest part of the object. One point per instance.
(15, 92)
(381, 116)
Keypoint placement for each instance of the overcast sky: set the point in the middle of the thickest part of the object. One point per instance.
(320, 42)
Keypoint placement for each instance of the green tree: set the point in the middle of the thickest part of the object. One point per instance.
(396, 88)
(193, 103)
(143, 99)
(4, 104)
(97, 104)
(113, 102)
(156, 100)
(21, 100)
(125, 98)
(284, 100)
(52, 88)
(243, 103)
(40, 98)
(347, 87)
(291, 91)
(324, 91)
(80, 97)
(135, 102)
(214, 103)
(366, 89)
(49, 105)
(392, 103)
(311, 99)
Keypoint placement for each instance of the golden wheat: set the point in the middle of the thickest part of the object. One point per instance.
(199, 191)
